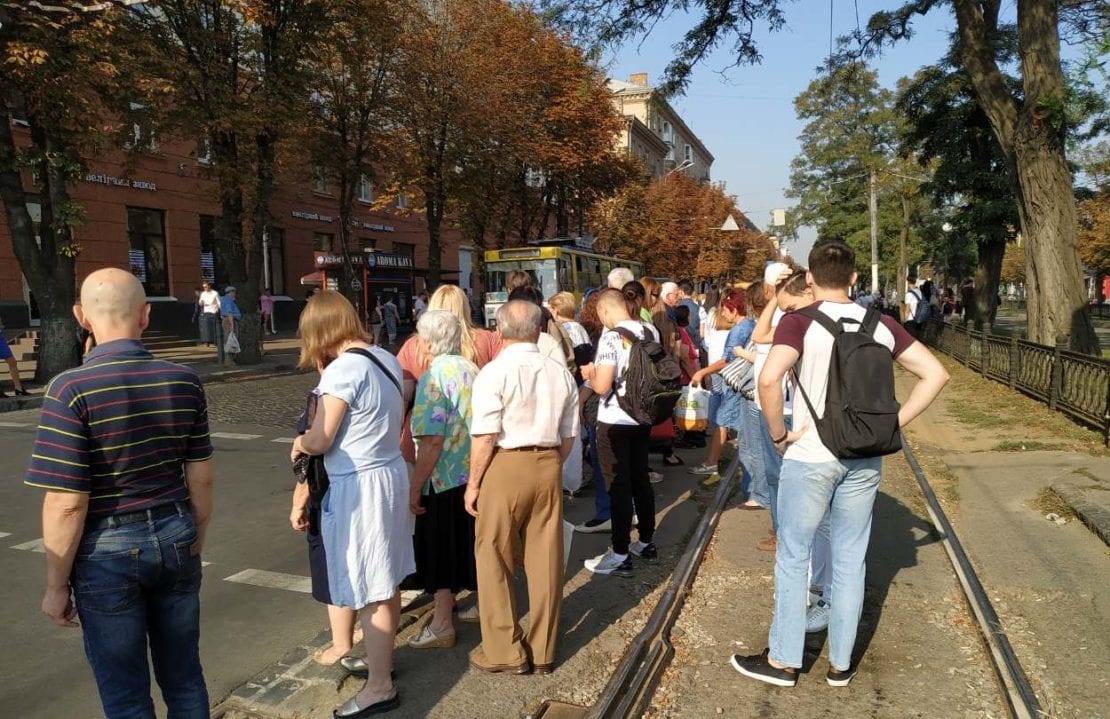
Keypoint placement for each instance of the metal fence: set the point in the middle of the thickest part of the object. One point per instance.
(1076, 384)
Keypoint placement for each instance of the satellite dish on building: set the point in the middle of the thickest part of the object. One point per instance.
(730, 225)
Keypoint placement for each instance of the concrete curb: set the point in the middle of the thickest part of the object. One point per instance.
(14, 404)
(1096, 516)
(296, 686)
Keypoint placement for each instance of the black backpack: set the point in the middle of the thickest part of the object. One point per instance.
(652, 382)
(861, 413)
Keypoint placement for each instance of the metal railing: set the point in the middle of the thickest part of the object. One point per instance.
(1075, 384)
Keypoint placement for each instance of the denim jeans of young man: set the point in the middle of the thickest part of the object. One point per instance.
(751, 453)
(846, 489)
(602, 509)
(820, 561)
(138, 583)
(772, 466)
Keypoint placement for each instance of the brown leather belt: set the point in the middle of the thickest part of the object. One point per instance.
(529, 448)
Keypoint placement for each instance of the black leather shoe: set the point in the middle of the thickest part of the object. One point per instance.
(351, 710)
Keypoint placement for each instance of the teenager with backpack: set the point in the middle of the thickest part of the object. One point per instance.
(636, 379)
(848, 418)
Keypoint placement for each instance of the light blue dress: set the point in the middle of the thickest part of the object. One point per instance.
(364, 518)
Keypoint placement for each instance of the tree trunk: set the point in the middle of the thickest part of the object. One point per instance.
(988, 274)
(250, 337)
(902, 275)
(50, 274)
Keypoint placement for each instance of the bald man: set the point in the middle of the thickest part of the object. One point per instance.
(124, 456)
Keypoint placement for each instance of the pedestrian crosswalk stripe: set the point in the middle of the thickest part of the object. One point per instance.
(14, 425)
(283, 440)
(232, 435)
(32, 546)
(272, 580)
(5, 534)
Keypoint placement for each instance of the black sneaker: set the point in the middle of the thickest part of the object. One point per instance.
(758, 667)
(646, 552)
(837, 678)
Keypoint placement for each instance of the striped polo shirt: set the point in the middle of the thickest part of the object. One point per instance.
(120, 428)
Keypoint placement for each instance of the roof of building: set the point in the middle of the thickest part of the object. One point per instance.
(628, 89)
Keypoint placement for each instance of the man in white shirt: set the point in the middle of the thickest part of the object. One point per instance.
(419, 306)
(622, 443)
(525, 419)
(209, 301)
(911, 300)
(814, 481)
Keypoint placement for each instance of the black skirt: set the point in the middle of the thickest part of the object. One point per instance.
(444, 545)
(317, 558)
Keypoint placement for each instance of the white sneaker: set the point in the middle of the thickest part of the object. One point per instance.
(703, 469)
(817, 617)
(655, 477)
(470, 614)
(610, 563)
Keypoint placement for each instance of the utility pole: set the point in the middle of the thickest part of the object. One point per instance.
(873, 206)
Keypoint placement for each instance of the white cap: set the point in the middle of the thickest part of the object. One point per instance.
(771, 274)
(229, 288)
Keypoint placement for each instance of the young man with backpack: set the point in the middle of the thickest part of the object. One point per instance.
(844, 358)
(638, 382)
(916, 305)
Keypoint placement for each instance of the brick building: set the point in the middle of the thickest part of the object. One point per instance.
(157, 215)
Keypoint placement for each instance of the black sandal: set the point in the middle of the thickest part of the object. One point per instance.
(676, 463)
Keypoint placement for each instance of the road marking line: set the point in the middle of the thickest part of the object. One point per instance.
(32, 546)
(205, 564)
(14, 425)
(232, 435)
(284, 440)
(272, 580)
(5, 534)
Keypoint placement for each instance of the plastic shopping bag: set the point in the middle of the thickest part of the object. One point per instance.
(231, 346)
(691, 414)
(572, 469)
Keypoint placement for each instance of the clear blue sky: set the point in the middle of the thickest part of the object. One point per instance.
(746, 115)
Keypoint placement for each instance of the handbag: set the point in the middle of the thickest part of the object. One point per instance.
(739, 375)
(310, 468)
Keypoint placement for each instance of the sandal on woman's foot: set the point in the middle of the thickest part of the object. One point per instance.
(319, 656)
(351, 709)
(429, 639)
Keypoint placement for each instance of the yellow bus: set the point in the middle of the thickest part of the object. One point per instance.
(554, 268)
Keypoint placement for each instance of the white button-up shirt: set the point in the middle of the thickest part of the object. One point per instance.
(525, 398)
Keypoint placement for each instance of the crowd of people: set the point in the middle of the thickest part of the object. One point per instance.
(443, 468)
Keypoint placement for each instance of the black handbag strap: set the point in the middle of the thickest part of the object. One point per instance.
(378, 363)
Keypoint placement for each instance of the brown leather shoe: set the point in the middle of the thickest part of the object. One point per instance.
(478, 661)
(543, 668)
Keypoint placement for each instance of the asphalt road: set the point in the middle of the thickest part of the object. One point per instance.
(245, 626)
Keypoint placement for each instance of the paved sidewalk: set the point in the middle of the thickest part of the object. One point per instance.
(280, 357)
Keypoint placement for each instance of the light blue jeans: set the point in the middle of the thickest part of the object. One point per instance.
(751, 453)
(846, 489)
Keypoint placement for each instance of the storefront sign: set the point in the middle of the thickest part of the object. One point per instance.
(314, 216)
(383, 259)
(325, 260)
(121, 182)
(374, 226)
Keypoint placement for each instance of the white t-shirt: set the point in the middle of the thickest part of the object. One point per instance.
(419, 306)
(913, 296)
(210, 302)
(762, 349)
(814, 343)
(715, 345)
(576, 333)
(614, 351)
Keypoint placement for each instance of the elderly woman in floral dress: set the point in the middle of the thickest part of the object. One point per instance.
(444, 539)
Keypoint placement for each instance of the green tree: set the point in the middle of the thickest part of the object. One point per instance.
(65, 72)
(946, 131)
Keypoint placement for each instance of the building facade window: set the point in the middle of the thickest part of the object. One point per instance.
(668, 134)
(276, 242)
(322, 241)
(319, 180)
(689, 156)
(402, 201)
(204, 150)
(365, 189)
(367, 244)
(212, 270)
(142, 136)
(406, 249)
(147, 255)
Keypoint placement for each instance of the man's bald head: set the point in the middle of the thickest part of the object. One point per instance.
(612, 307)
(519, 321)
(113, 303)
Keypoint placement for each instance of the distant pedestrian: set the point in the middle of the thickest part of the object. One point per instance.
(266, 307)
(365, 523)
(814, 479)
(13, 366)
(390, 316)
(209, 303)
(619, 277)
(524, 426)
(441, 418)
(967, 299)
(912, 317)
(419, 306)
(127, 506)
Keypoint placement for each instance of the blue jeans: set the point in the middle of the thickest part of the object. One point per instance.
(751, 453)
(772, 467)
(602, 508)
(133, 584)
(846, 490)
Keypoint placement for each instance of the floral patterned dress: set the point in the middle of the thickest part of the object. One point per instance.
(444, 539)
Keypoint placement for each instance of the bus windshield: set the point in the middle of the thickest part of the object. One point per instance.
(545, 277)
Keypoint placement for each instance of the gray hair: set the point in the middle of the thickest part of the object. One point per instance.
(441, 331)
(520, 320)
(619, 277)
